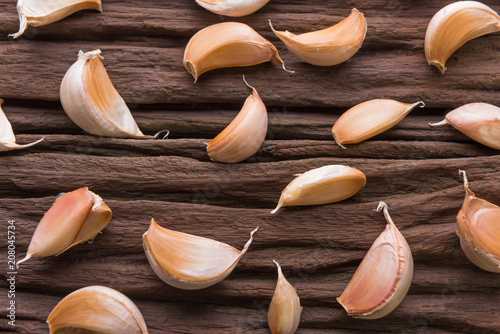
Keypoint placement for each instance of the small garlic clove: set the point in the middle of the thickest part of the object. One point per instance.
(369, 119)
(479, 230)
(453, 26)
(284, 312)
(330, 46)
(42, 12)
(383, 278)
(96, 309)
(227, 44)
(322, 185)
(243, 137)
(7, 138)
(74, 218)
(187, 261)
(233, 8)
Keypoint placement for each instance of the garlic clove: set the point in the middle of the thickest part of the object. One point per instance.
(384, 276)
(74, 218)
(322, 185)
(479, 230)
(187, 261)
(96, 309)
(284, 312)
(369, 119)
(330, 46)
(42, 12)
(227, 44)
(92, 102)
(243, 137)
(7, 138)
(453, 26)
(233, 8)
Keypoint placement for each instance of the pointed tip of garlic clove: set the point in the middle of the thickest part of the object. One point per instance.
(26, 258)
(280, 204)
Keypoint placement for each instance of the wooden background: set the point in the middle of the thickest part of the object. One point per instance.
(413, 167)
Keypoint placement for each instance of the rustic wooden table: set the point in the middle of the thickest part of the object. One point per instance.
(413, 167)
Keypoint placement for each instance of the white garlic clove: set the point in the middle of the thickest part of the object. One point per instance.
(7, 138)
(189, 262)
(233, 8)
(383, 278)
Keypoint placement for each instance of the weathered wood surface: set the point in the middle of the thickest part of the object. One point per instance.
(413, 167)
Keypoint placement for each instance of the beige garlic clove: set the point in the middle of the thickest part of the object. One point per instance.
(384, 276)
(478, 121)
(455, 25)
(7, 138)
(322, 185)
(284, 312)
(243, 137)
(74, 218)
(228, 44)
(233, 8)
(330, 46)
(42, 12)
(189, 262)
(96, 309)
(479, 230)
(369, 119)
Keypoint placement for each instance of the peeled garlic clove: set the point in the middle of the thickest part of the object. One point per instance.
(189, 262)
(92, 102)
(96, 309)
(370, 118)
(42, 12)
(233, 8)
(455, 25)
(74, 218)
(243, 137)
(322, 185)
(479, 230)
(7, 138)
(330, 46)
(228, 44)
(284, 312)
(383, 278)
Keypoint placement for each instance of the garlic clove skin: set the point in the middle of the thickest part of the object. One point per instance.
(383, 278)
(227, 44)
(244, 136)
(330, 46)
(453, 26)
(284, 312)
(189, 262)
(7, 138)
(327, 184)
(479, 230)
(42, 12)
(96, 309)
(369, 119)
(74, 218)
(233, 8)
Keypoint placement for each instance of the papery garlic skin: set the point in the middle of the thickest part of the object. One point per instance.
(330, 46)
(479, 230)
(42, 12)
(455, 25)
(322, 185)
(284, 312)
(369, 119)
(7, 138)
(96, 309)
(233, 8)
(189, 262)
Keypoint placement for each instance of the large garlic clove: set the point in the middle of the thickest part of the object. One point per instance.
(7, 138)
(243, 137)
(322, 185)
(455, 25)
(369, 119)
(233, 8)
(330, 46)
(478, 121)
(479, 230)
(228, 44)
(92, 102)
(74, 218)
(96, 309)
(187, 261)
(284, 312)
(42, 12)
(383, 278)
